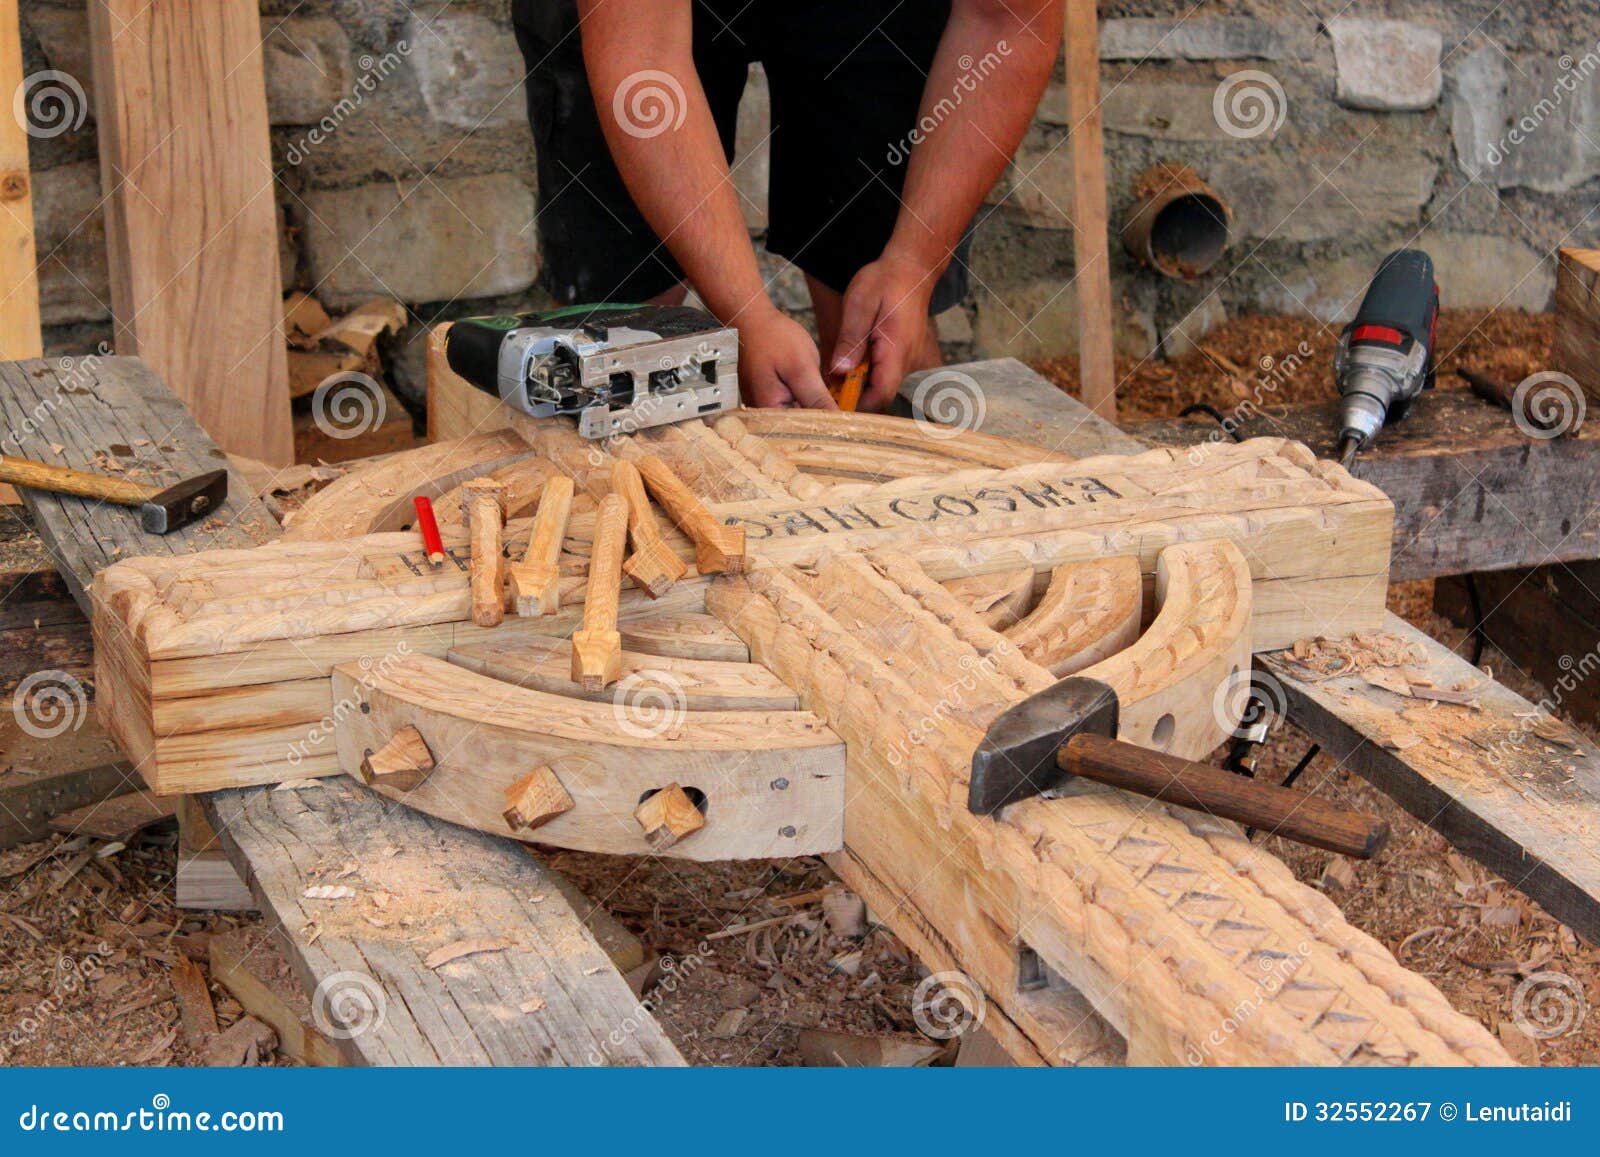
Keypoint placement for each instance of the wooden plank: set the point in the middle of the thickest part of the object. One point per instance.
(1091, 272)
(1502, 780)
(191, 219)
(1471, 491)
(1575, 349)
(1021, 404)
(30, 799)
(118, 819)
(41, 629)
(19, 306)
(100, 410)
(469, 1011)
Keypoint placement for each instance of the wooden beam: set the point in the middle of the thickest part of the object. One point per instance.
(1471, 491)
(1575, 349)
(1503, 781)
(30, 799)
(1091, 272)
(191, 220)
(549, 997)
(19, 268)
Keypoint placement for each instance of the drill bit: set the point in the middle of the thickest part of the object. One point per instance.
(1348, 445)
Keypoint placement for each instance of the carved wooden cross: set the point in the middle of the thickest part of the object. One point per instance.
(907, 584)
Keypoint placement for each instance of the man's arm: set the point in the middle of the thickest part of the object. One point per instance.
(992, 65)
(639, 55)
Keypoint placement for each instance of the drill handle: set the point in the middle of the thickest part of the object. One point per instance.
(1403, 296)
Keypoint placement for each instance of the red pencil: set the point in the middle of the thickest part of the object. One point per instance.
(429, 529)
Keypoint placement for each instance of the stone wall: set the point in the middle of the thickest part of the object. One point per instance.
(1469, 127)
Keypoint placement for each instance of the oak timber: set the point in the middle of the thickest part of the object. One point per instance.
(483, 506)
(536, 799)
(1091, 273)
(535, 581)
(597, 645)
(191, 219)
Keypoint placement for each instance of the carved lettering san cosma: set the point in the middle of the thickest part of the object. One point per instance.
(881, 514)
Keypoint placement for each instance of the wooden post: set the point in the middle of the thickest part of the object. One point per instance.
(482, 501)
(536, 580)
(19, 307)
(1092, 262)
(667, 816)
(652, 565)
(402, 763)
(719, 549)
(597, 646)
(535, 799)
(191, 221)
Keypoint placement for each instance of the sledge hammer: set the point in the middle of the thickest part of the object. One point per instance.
(161, 510)
(1070, 729)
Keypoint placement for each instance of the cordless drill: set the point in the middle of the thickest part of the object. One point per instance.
(1385, 356)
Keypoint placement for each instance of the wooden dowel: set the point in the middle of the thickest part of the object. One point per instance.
(403, 763)
(63, 480)
(597, 646)
(482, 501)
(668, 816)
(536, 799)
(536, 580)
(1277, 810)
(652, 565)
(718, 548)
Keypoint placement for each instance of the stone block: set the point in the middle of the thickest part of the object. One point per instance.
(308, 68)
(752, 152)
(1385, 65)
(63, 35)
(469, 69)
(1191, 38)
(433, 240)
(70, 237)
(1038, 182)
(1284, 196)
(1036, 320)
(1477, 102)
(1165, 110)
(1485, 271)
(1185, 336)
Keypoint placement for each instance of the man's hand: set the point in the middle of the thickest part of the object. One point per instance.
(778, 362)
(885, 321)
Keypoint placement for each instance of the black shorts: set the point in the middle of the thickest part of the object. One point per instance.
(846, 78)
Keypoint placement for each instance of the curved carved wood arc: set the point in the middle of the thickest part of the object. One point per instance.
(698, 684)
(963, 448)
(1090, 611)
(1000, 599)
(1168, 682)
(685, 635)
(773, 781)
(378, 497)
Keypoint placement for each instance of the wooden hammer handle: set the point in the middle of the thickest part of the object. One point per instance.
(1278, 810)
(80, 483)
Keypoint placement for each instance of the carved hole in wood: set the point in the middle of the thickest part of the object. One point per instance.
(696, 797)
(1161, 733)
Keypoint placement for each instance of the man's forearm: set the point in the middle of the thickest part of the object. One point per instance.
(640, 61)
(992, 65)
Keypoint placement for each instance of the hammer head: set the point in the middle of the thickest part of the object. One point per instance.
(1017, 758)
(183, 502)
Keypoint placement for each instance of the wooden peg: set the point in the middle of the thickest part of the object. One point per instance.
(718, 548)
(597, 646)
(667, 816)
(536, 580)
(483, 503)
(653, 565)
(536, 798)
(402, 763)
